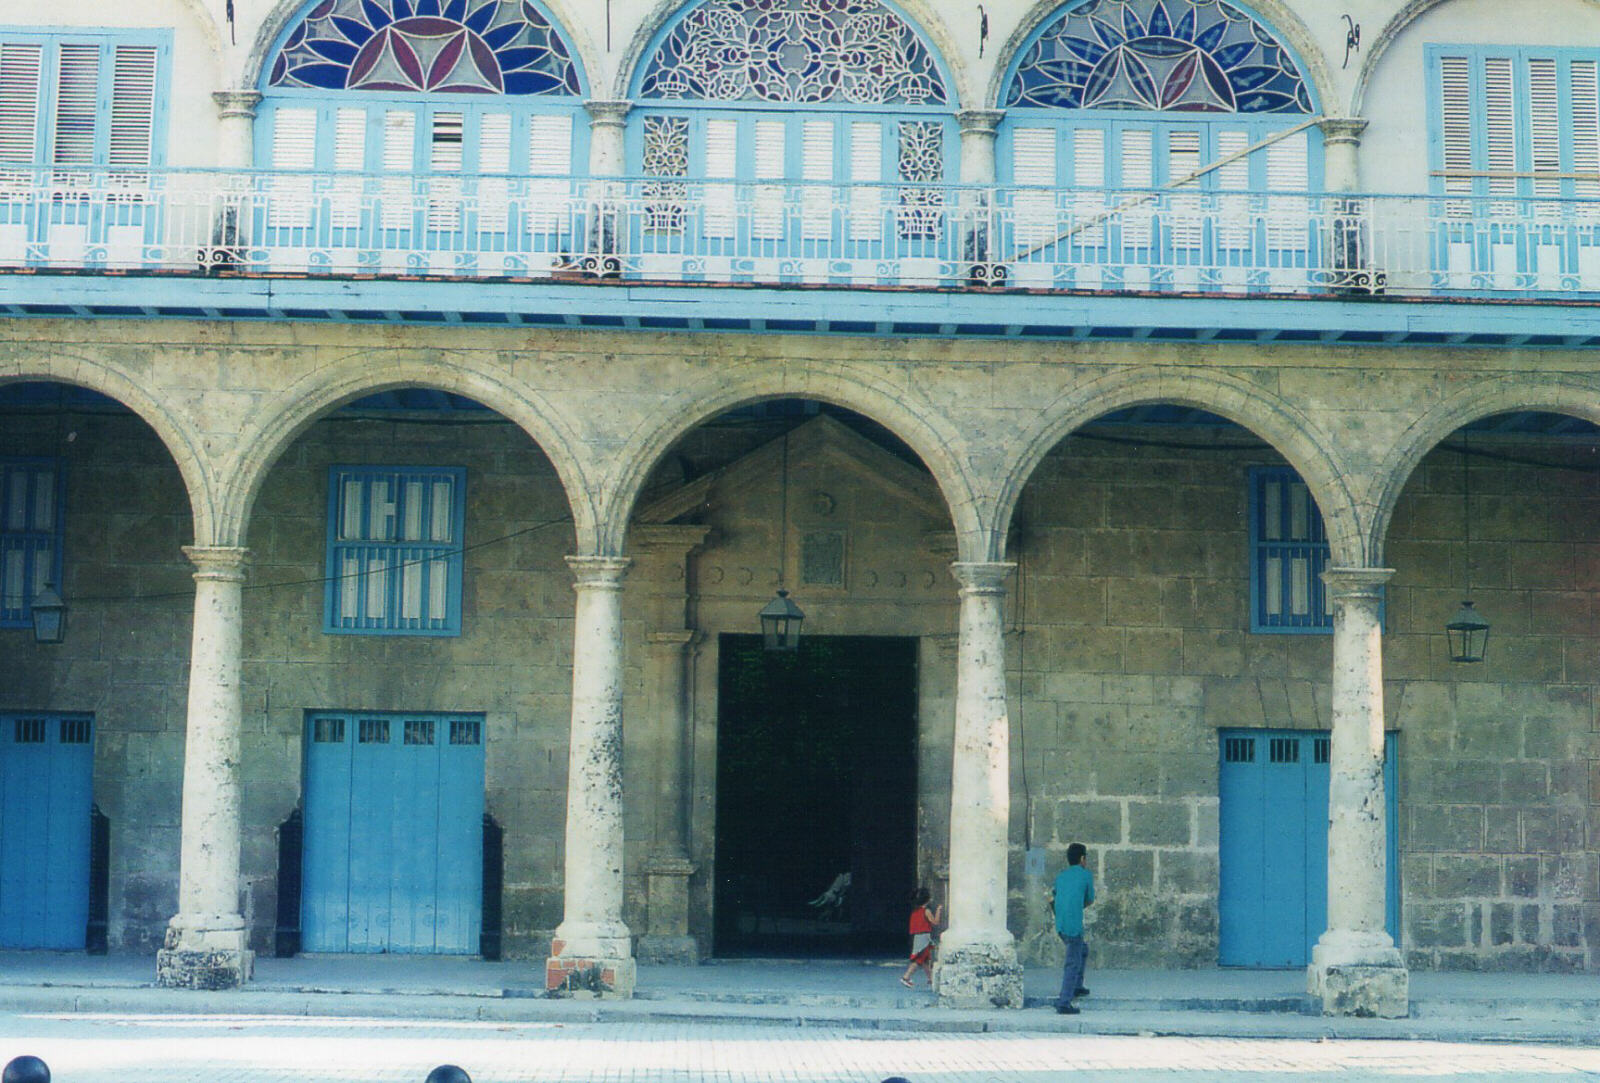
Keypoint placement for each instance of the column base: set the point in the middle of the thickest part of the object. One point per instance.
(1359, 974)
(978, 975)
(205, 953)
(584, 977)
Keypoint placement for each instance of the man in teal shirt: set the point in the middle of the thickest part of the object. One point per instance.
(1074, 890)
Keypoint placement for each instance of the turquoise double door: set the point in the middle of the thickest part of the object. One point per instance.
(1272, 899)
(393, 852)
(46, 791)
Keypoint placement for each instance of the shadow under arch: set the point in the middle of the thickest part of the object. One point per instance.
(1278, 17)
(1279, 423)
(298, 406)
(923, 15)
(177, 435)
(283, 13)
(1492, 396)
(934, 444)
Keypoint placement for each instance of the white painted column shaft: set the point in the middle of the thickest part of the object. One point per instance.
(208, 873)
(977, 178)
(592, 913)
(236, 114)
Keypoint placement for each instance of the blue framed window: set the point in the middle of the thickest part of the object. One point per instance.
(1288, 554)
(31, 529)
(1516, 133)
(394, 550)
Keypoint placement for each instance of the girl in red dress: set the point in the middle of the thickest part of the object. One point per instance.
(922, 923)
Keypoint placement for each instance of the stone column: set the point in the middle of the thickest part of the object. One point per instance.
(207, 942)
(1349, 251)
(1355, 967)
(607, 159)
(978, 965)
(977, 177)
(592, 951)
(236, 114)
(663, 553)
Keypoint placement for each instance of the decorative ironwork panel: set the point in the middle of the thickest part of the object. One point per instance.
(666, 154)
(425, 46)
(855, 51)
(921, 161)
(1186, 56)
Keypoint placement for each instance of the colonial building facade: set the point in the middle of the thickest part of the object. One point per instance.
(415, 402)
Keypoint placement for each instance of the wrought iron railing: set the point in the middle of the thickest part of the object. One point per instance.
(670, 229)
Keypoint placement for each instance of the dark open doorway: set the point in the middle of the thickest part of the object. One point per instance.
(816, 779)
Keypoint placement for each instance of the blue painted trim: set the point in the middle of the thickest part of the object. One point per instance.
(289, 24)
(916, 313)
(648, 53)
(451, 551)
(1050, 21)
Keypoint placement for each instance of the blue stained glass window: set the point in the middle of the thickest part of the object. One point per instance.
(1185, 56)
(427, 46)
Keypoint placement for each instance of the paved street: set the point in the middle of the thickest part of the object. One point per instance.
(213, 1049)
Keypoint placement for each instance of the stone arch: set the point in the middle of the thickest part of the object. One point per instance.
(922, 14)
(179, 435)
(1291, 433)
(911, 418)
(298, 406)
(258, 58)
(1555, 394)
(1277, 15)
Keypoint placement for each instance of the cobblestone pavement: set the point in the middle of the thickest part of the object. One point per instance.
(215, 1049)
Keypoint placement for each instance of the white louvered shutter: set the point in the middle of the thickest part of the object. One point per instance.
(133, 110)
(349, 156)
(816, 170)
(866, 169)
(767, 199)
(1088, 149)
(19, 112)
(722, 162)
(294, 148)
(1585, 132)
(1233, 211)
(1138, 172)
(399, 156)
(1288, 178)
(1184, 225)
(550, 154)
(1544, 128)
(494, 164)
(445, 153)
(1500, 128)
(1455, 113)
(1033, 171)
(77, 105)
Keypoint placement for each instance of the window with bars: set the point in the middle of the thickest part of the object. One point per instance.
(31, 528)
(394, 550)
(1288, 554)
(81, 102)
(1514, 123)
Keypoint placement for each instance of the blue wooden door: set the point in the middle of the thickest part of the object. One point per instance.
(46, 789)
(1272, 897)
(393, 858)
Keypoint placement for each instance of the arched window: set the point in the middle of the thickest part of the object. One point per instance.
(456, 99)
(820, 125)
(1111, 98)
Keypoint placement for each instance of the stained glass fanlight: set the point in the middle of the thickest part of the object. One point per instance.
(1187, 56)
(426, 46)
(842, 51)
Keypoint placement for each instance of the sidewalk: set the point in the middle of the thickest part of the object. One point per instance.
(1227, 1003)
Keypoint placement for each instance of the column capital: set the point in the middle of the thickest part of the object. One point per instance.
(980, 121)
(607, 111)
(1356, 584)
(598, 573)
(236, 103)
(987, 577)
(222, 562)
(1342, 130)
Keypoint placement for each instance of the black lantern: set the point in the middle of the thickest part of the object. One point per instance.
(49, 616)
(780, 623)
(1468, 633)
